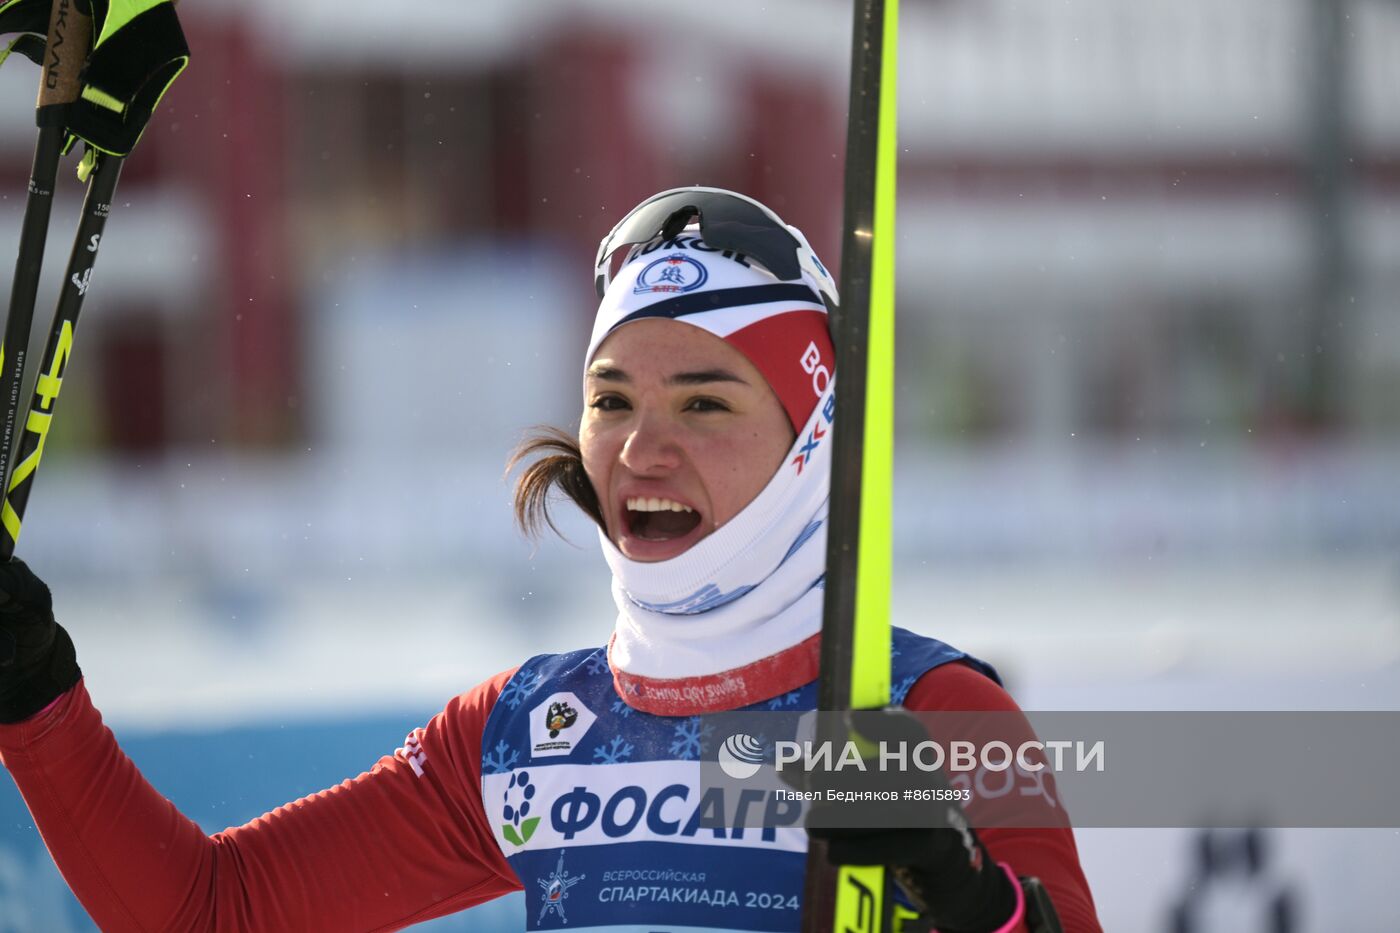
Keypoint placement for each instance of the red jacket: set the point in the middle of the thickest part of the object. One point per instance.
(380, 851)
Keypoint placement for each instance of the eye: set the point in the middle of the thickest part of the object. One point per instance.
(706, 405)
(608, 403)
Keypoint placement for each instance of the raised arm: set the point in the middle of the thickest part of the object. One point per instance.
(404, 842)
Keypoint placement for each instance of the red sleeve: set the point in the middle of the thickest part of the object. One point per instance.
(1048, 854)
(402, 843)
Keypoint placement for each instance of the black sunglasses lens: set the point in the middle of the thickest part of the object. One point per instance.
(726, 222)
(773, 246)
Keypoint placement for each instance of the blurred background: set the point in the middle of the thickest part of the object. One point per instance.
(1149, 375)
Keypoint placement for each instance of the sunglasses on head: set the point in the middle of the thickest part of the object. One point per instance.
(728, 221)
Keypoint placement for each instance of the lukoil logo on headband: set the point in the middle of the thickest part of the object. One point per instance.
(671, 274)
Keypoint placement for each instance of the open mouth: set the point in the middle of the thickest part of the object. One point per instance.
(653, 519)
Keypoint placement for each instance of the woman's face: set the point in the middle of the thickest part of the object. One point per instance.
(680, 432)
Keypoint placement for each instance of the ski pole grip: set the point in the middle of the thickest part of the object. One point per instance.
(70, 40)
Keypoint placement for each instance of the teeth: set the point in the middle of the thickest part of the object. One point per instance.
(653, 504)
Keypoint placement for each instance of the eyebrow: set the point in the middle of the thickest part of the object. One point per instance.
(699, 377)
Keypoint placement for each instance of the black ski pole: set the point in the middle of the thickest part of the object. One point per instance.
(97, 205)
(855, 656)
(69, 35)
(136, 55)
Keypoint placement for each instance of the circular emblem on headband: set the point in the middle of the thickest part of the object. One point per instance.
(671, 274)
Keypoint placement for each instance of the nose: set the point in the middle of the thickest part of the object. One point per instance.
(651, 446)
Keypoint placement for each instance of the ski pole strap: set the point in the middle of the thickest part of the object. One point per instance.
(31, 47)
(29, 18)
(55, 35)
(139, 52)
(24, 16)
(906, 921)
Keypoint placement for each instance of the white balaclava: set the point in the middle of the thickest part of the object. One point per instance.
(735, 619)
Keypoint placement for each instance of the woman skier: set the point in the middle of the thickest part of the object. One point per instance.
(703, 455)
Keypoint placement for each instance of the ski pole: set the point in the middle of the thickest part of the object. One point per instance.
(855, 658)
(138, 52)
(69, 35)
(97, 205)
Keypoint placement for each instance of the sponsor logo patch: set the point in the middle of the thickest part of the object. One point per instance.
(519, 825)
(671, 274)
(558, 724)
(555, 890)
(560, 717)
(649, 801)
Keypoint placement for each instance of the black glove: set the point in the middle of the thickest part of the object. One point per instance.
(945, 872)
(932, 851)
(37, 661)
